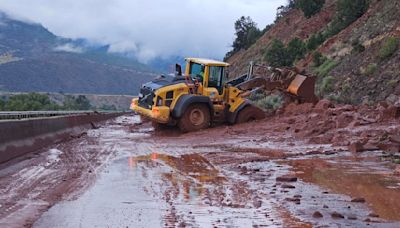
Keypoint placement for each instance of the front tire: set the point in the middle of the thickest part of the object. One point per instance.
(250, 113)
(196, 117)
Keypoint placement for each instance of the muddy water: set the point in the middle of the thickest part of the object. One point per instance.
(174, 180)
(363, 177)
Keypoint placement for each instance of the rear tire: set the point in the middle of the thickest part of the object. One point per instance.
(196, 117)
(250, 113)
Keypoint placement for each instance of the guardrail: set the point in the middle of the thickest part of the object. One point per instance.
(36, 114)
(18, 137)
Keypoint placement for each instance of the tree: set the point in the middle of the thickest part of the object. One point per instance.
(246, 32)
(30, 102)
(296, 49)
(277, 55)
(79, 103)
(309, 7)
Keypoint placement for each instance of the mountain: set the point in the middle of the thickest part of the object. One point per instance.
(357, 49)
(34, 59)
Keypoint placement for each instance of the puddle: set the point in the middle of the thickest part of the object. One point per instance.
(367, 180)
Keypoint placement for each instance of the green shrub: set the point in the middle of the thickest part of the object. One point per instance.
(2, 104)
(389, 47)
(318, 59)
(296, 49)
(327, 84)
(78, 103)
(277, 54)
(357, 46)
(271, 102)
(392, 83)
(324, 69)
(30, 102)
(371, 69)
(309, 7)
(314, 41)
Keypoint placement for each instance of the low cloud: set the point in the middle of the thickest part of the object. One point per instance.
(148, 29)
(69, 48)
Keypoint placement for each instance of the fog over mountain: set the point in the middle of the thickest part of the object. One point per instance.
(146, 29)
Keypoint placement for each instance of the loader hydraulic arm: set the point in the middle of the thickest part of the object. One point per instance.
(286, 80)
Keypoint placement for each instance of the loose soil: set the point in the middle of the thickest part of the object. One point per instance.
(308, 165)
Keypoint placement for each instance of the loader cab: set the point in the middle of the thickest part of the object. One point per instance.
(210, 74)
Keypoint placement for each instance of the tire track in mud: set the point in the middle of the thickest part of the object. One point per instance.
(220, 177)
(33, 183)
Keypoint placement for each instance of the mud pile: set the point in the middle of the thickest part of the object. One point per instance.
(360, 128)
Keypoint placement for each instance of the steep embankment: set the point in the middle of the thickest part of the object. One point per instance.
(361, 61)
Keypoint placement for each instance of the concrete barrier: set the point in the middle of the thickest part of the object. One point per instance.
(18, 137)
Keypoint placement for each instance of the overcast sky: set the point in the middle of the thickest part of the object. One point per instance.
(148, 28)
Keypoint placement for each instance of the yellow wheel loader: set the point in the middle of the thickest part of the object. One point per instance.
(203, 95)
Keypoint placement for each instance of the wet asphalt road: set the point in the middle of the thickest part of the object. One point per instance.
(143, 179)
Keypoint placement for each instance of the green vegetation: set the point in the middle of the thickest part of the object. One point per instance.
(318, 59)
(78, 103)
(246, 33)
(392, 83)
(2, 104)
(309, 7)
(347, 13)
(357, 46)
(370, 69)
(42, 102)
(327, 84)
(278, 55)
(267, 102)
(314, 41)
(108, 107)
(29, 102)
(296, 49)
(389, 47)
(324, 69)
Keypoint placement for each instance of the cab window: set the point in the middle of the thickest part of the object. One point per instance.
(196, 71)
(216, 77)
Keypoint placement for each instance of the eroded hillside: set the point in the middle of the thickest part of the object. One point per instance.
(360, 64)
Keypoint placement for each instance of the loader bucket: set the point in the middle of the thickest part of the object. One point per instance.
(303, 87)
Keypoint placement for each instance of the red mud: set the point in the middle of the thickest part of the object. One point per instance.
(224, 175)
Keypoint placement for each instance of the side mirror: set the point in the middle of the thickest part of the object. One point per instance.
(178, 69)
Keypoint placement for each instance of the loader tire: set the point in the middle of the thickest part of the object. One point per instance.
(195, 117)
(250, 113)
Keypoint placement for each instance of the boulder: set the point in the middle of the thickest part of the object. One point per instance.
(356, 147)
(286, 178)
(358, 200)
(337, 215)
(317, 214)
(324, 104)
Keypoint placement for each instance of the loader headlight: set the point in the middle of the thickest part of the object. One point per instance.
(159, 101)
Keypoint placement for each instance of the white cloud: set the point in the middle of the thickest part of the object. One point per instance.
(148, 28)
(69, 48)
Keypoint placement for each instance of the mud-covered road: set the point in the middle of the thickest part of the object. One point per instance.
(279, 172)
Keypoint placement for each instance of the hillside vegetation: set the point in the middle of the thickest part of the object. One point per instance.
(32, 59)
(352, 46)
